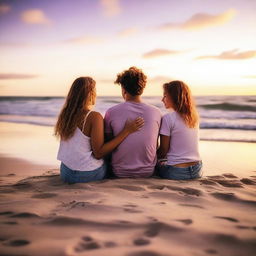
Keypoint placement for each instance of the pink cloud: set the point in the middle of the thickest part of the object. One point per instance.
(111, 8)
(10, 76)
(201, 21)
(158, 53)
(4, 8)
(35, 16)
(231, 55)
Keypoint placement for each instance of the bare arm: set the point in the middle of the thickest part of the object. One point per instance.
(164, 146)
(97, 135)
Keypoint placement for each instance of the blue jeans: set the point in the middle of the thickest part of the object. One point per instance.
(179, 173)
(72, 176)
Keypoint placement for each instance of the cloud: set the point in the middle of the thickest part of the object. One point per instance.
(231, 55)
(35, 16)
(127, 32)
(201, 21)
(4, 8)
(83, 40)
(111, 8)
(7, 76)
(158, 53)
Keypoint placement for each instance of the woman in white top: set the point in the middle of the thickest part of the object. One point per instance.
(179, 134)
(81, 133)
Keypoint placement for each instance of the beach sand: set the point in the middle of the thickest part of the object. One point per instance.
(40, 215)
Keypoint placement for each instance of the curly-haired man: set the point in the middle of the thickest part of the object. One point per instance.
(136, 155)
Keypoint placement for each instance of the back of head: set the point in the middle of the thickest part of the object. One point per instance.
(182, 101)
(78, 97)
(132, 80)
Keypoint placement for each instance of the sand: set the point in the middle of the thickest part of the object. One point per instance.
(135, 217)
(214, 215)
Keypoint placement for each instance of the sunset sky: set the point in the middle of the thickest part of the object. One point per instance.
(46, 44)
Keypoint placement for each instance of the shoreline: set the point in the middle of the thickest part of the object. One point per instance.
(37, 145)
(50, 121)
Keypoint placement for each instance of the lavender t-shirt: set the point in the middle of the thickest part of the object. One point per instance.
(136, 155)
(183, 142)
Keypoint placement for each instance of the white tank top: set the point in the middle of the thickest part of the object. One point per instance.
(76, 152)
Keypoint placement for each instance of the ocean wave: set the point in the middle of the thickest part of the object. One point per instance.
(229, 140)
(42, 121)
(29, 98)
(229, 107)
(51, 120)
(228, 126)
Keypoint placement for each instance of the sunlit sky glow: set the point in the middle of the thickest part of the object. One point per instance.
(45, 44)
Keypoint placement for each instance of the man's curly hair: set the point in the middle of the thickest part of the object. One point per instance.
(132, 80)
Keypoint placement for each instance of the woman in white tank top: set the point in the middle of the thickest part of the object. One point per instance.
(81, 133)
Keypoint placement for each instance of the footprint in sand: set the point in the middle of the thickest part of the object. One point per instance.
(6, 213)
(186, 191)
(207, 182)
(144, 253)
(186, 221)
(10, 222)
(132, 210)
(229, 175)
(87, 238)
(215, 177)
(87, 243)
(242, 227)
(124, 222)
(232, 198)
(192, 205)
(18, 242)
(141, 242)
(25, 215)
(211, 251)
(131, 188)
(159, 187)
(226, 218)
(44, 195)
(230, 183)
(153, 229)
(130, 205)
(10, 174)
(161, 203)
(248, 181)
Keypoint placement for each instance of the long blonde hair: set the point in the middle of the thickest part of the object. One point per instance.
(183, 102)
(79, 95)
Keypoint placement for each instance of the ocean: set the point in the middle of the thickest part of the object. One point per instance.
(222, 118)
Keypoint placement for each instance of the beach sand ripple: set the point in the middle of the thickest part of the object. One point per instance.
(132, 217)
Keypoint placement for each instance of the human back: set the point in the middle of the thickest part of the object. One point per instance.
(81, 133)
(136, 156)
(184, 140)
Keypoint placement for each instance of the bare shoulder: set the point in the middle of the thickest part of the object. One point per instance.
(95, 116)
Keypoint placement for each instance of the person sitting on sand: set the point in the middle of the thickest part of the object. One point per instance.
(81, 133)
(179, 134)
(136, 156)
